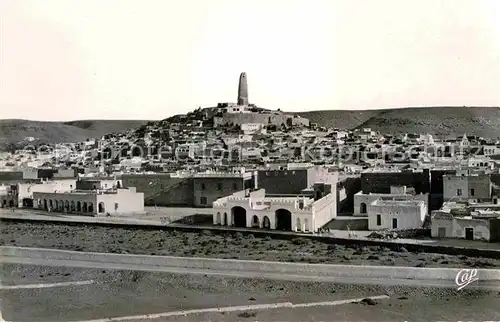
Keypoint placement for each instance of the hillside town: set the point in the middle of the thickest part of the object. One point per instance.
(255, 168)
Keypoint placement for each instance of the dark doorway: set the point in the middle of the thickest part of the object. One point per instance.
(394, 223)
(239, 215)
(283, 220)
(469, 233)
(266, 223)
(28, 202)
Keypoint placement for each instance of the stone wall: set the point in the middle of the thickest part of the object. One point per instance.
(381, 182)
(283, 181)
(276, 119)
(320, 270)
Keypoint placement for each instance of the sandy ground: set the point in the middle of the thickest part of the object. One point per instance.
(125, 293)
(205, 244)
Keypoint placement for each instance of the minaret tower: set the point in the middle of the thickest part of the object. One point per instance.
(243, 90)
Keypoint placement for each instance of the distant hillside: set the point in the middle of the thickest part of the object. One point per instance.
(15, 130)
(482, 121)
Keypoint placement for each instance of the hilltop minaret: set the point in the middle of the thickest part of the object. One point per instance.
(243, 90)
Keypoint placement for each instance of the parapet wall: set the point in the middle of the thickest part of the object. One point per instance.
(320, 270)
(276, 119)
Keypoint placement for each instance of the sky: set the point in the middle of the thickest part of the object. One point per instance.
(145, 59)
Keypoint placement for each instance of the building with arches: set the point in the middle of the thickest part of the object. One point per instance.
(91, 202)
(307, 212)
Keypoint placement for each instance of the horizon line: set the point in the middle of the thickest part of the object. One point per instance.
(290, 112)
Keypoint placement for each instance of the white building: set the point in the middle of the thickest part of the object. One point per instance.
(252, 128)
(92, 202)
(26, 190)
(491, 150)
(396, 214)
(478, 226)
(362, 201)
(282, 213)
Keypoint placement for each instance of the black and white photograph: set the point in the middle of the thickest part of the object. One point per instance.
(249, 160)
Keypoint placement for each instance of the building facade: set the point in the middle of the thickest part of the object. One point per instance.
(465, 186)
(91, 202)
(256, 210)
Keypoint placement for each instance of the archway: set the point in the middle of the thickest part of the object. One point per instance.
(91, 207)
(51, 206)
(84, 207)
(239, 215)
(362, 208)
(283, 219)
(61, 205)
(299, 227)
(78, 206)
(101, 207)
(56, 205)
(45, 207)
(306, 223)
(225, 219)
(66, 205)
(255, 222)
(73, 206)
(218, 219)
(266, 223)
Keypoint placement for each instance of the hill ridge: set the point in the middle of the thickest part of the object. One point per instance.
(446, 120)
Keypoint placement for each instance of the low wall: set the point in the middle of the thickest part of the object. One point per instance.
(447, 274)
(393, 245)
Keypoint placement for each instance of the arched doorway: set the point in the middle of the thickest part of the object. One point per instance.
(51, 206)
(56, 205)
(73, 206)
(218, 219)
(306, 224)
(299, 226)
(84, 207)
(239, 215)
(78, 206)
(66, 205)
(255, 222)
(91, 207)
(61, 205)
(266, 223)
(362, 208)
(225, 219)
(283, 219)
(101, 207)
(45, 207)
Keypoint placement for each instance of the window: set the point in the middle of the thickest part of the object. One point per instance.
(379, 220)
(362, 208)
(459, 192)
(203, 200)
(219, 186)
(394, 223)
(202, 186)
(472, 192)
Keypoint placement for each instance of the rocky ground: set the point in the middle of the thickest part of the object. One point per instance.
(125, 293)
(205, 244)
